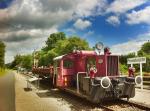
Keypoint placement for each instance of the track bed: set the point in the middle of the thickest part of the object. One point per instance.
(121, 105)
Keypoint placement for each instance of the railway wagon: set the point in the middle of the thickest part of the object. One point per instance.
(71, 72)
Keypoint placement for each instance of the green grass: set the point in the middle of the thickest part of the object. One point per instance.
(3, 71)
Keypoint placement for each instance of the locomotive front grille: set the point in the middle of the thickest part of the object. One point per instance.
(112, 65)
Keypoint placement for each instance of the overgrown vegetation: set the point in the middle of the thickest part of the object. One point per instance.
(2, 54)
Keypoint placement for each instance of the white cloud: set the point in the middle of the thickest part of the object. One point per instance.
(46, 13)
(131, 46)
(71, 30)
(88, 34)
(27, 23)
(82, 24)
(114, 20)
(36, 40)
(87, 8)
(137, 17)
(122, 6)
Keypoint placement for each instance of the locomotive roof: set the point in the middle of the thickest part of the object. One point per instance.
(81, 52)
(59, 57)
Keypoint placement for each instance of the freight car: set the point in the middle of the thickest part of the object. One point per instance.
(71, 72)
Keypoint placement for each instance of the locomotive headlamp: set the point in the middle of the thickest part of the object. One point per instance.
(138, 80)
(105, 82)
(99, 46)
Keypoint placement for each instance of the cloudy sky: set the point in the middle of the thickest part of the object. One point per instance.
(123, 25)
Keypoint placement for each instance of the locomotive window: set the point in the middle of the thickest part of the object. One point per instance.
(90, 60)
(68, 64)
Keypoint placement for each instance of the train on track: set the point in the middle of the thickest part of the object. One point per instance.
(89, 74)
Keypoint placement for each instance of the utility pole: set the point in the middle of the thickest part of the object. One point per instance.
(35, 59)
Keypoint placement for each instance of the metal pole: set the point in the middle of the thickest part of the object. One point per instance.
(38, 83)
(141, 75)
(131, 65)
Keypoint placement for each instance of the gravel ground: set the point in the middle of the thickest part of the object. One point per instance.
(142, 96)
(47, 100)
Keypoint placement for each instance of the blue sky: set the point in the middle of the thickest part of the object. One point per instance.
(108, 33)
(123, 25)
(5, 3)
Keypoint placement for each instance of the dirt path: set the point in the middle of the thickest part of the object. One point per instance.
(34, 100)
(7, 92)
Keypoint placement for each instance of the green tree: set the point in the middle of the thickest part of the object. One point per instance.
(16, 62)
(145, 51)
(26, 61)
(53, 39)
(123, 68)
(2, 54)
(59, 46)
(76, 42)
(123, 62)
(42, 58)
(123, 58)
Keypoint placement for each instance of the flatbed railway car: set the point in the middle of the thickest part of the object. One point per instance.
(44, 71)
(71, 72)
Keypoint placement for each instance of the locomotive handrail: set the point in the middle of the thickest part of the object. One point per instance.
(78, 79)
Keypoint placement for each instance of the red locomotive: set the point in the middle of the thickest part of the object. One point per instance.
(90, 75)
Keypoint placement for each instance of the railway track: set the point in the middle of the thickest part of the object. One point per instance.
(122, 105)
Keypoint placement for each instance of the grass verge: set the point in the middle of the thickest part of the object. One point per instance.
(3, 71)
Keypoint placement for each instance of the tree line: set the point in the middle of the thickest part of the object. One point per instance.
(2, 54)
(59, 44)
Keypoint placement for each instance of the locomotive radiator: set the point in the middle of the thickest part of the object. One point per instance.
(112, 65)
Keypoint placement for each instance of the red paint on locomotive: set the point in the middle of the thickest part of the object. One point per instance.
(106, 65)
